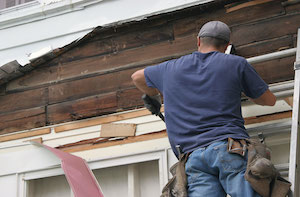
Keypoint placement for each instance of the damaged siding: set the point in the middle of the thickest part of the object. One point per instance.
(92, 78)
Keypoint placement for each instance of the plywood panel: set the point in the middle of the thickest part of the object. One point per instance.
(23, 100)
(117, 130)
(83, 108)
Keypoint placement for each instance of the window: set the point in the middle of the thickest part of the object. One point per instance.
(10, 3)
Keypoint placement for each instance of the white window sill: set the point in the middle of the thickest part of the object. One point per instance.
(34, 11)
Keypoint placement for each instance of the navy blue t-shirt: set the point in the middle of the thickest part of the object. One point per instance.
(202, 97)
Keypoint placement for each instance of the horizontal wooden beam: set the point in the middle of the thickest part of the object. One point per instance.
(100, 120)
(269, 117)
(25, 134)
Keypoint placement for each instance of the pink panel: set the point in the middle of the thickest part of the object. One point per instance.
(79, 175)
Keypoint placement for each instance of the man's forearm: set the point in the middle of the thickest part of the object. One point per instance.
(139, 81)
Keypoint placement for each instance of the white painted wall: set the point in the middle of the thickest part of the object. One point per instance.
(49, 187)
(8, 185)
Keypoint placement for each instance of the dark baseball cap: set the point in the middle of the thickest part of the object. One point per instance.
(215, 29)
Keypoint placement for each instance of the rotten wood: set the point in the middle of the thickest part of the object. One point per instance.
(22, 120)
(266, 46)
(295, 8)
(277, 70)
(82, 108)
(2, 90)
(276, 27)
(117, 130)
(133, 58)
(130, 98)
(192, 25)
(119, 42)
(23, 100)
(25, 135)
(145, 55)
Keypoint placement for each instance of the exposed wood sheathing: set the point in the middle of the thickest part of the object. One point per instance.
(93, 78)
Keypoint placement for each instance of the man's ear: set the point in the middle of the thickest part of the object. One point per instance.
(198, 42)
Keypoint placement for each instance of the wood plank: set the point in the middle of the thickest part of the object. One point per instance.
(23, 100)
(266, 46)
(130, 99)
(193, 24)
(247, 4)
(264, 30)
(22, 120)
(277, 70)
(289, 101)
(82, 88)
(295, 8)
(119, 42)
(111, 82)
(145, 55)
(38, 140)
(117, 130)
(82, 108)
(25, 134)
(128, 140)
(101, 120)
(295, 40)
(265, 118)
(2, 90)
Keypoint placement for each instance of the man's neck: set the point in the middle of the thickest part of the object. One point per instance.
(208, 49)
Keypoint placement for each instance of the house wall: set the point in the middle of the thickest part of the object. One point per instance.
(93, 78)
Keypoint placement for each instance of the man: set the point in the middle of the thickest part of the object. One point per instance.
(202, 100)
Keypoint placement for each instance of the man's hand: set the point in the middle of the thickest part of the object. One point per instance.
(152, 103)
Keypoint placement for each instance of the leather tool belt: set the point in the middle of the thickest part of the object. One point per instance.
(176, 187)
(260, 173)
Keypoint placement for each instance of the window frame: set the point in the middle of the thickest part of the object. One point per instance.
(3, 5)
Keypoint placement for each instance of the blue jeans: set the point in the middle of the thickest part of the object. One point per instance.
(213, 172)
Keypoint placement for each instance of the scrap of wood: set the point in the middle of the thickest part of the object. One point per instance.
(118, 130)
(247, 4)
(39, 140)
(24, 135)
(289, 101)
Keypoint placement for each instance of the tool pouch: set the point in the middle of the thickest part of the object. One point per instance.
(261, 173)
(237, 146)
(177, 186)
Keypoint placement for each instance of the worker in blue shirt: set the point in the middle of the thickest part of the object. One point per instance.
(202, 101)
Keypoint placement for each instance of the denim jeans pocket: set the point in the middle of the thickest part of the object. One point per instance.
(230, 162)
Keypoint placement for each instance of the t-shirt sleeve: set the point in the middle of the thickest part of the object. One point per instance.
(154, 76)
(252, 84)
